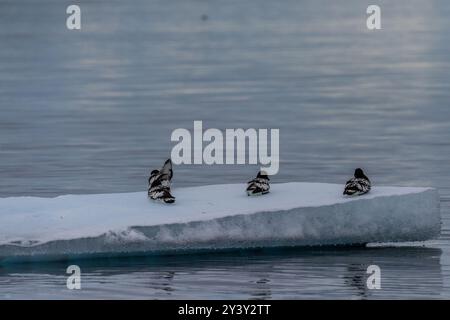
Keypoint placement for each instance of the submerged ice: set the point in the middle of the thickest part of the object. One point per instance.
(214, 217)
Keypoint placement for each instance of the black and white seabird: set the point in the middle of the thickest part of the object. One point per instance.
(357, 185)
(159, 183)
(259, 185)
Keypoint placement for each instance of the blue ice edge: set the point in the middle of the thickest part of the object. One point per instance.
(212, 218)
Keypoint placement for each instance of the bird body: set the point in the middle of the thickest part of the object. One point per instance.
(358, 185)
(159, 183)
(259, 185)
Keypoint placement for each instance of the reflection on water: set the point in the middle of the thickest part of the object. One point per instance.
(356, 277)
(249, 274)
(91, 111)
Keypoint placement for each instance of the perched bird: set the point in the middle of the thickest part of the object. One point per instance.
(259, 185)
(159, 183)
(357, 185)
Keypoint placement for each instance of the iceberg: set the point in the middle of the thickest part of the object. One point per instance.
(213, 217)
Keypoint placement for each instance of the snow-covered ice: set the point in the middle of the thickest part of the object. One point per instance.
(213, 217)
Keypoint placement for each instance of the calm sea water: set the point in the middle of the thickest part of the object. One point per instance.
(92, 111)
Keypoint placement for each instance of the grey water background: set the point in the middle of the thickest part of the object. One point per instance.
(92, 111)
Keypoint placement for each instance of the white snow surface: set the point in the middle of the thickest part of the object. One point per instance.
(215, 217)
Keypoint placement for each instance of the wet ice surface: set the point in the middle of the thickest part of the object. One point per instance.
(215, 217)
(92, 111)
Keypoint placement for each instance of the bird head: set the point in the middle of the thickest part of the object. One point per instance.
(359, 173)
